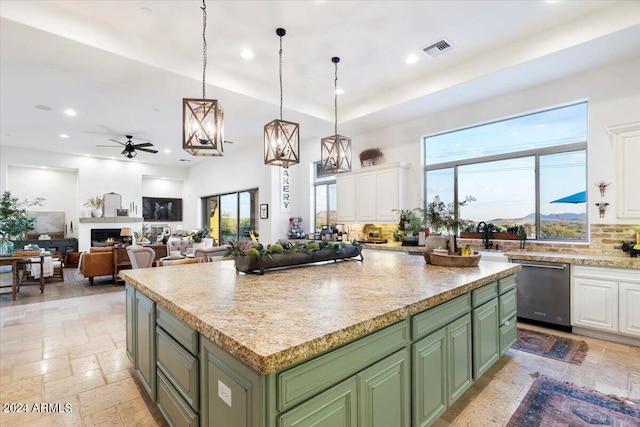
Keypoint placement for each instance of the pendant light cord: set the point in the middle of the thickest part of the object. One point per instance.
(204, 49)
(335, 98)
(280, 72)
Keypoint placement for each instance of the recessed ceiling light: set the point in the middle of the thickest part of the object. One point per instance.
(411, 59)
(310, 80)
(247, 54)
(146, 10)
(44, 107)
(70, 112)
(63, 135)
(339, 91)
(166, 150)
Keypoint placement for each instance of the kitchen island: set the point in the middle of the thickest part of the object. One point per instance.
(214, 347)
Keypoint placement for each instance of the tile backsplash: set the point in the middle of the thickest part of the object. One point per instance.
(605, 239)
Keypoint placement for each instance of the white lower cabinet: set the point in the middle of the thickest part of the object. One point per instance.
(606, 299)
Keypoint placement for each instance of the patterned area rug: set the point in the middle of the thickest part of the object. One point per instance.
(551, 346)
(554, 403)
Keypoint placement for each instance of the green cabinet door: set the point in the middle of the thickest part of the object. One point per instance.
(231, 394)
(145, 343)
(130, 306)
(486, 337)
(336, 407)
(459, 358)
(429, 359)
(383, 392)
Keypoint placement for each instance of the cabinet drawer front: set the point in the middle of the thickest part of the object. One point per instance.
(173, 407)
(336, 407)
(179, 330)
(506, 284)
(508, 334)
(484, 294)
(435, 318)
(307, 379)
(508, 306)
(179, 367)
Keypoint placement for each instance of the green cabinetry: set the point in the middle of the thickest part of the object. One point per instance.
(442, 360)
(130, 298)
(144, 359)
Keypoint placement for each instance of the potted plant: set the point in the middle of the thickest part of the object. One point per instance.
(440, 216)
(96, 204)
(197, 237)
(15, 221)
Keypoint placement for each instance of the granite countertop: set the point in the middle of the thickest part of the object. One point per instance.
(598, 260)
(286, 316)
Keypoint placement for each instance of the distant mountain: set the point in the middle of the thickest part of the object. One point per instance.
(569, 216)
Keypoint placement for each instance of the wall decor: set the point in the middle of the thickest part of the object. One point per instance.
(264, 211)
(285, 190)
(112, 201)
(369, 157)
(51, 223)
(122, 212)
(602, 186)
(161, 209)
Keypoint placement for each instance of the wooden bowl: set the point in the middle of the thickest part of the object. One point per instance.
(453, 260)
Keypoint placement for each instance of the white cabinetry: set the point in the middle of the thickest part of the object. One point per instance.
(626, 143)
(371, 194)
(606, 299)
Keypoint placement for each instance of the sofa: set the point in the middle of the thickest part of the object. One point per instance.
(97, 262)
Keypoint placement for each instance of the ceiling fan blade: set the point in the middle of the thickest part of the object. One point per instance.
(121, 143)
(101, 145)
(144, 144)
(147, 150)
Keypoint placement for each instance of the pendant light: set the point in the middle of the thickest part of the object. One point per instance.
(203, 119)
(335, 150)
(281, 138)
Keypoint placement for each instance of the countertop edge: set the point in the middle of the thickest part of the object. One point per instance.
(578, 259)
(280, 360)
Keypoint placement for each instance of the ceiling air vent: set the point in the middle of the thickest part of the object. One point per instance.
(438, 48)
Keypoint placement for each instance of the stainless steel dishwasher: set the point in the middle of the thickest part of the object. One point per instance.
(544, 293)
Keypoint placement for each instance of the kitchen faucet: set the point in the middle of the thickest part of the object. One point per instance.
(485, 236)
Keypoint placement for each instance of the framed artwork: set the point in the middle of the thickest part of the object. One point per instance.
(161, 209)
(264, 211)
(112, 201)
(122, 212)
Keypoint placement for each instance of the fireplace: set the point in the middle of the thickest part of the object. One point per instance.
(105, 236)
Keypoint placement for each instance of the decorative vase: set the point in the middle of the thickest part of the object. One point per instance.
(97, 213)
(434, 241)
(6, 247)
(198, 245)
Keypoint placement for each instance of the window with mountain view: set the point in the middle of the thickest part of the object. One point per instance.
(528, 170)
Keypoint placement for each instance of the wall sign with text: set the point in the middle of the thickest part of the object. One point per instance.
(285, 190)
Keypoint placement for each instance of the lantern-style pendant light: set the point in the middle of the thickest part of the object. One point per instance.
(335, 150)
(203, 119)
(281, 138)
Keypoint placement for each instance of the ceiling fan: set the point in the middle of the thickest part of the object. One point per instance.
(130, 148)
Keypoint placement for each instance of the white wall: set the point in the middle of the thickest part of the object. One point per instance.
(613, 93)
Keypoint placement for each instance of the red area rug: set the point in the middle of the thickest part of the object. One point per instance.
(551, 346)
(554, 403)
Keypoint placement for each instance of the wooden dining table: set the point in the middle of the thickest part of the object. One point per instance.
(15, 261)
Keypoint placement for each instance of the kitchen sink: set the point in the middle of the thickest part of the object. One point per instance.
(495, 256)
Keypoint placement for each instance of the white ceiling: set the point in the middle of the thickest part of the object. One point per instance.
(126, 65)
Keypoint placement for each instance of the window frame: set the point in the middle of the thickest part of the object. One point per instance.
(321, 179)
(254, 218)
(536, 153)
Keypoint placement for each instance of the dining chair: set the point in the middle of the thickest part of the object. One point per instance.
(140, 256)
(167, 262)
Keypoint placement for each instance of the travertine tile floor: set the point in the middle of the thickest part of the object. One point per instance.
(72, 352)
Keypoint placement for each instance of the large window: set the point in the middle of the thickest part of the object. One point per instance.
(528, 170)
(232, 216)
(325, 198)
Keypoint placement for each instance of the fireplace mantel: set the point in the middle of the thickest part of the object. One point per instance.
(113, 219)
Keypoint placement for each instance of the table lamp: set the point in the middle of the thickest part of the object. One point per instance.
(126, 232)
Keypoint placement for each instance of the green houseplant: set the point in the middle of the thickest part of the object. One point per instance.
(15, 221)
(440, 216)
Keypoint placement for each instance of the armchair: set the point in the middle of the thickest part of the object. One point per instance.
(97, 262)
(179, 244)
(141, 256)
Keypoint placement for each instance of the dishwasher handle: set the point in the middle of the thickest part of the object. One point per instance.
(554, 267)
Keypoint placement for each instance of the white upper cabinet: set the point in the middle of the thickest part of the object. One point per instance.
(372, 194)
(626, 143)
